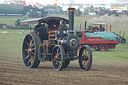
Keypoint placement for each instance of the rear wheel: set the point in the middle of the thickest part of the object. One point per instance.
(30, 51)
(58, 57)
(85, 58)
(104, 47)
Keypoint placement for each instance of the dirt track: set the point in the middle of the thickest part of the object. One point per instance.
(13, 72)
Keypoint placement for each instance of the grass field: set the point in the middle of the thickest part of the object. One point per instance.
(108, 67)
(15, 36)
(11, 45)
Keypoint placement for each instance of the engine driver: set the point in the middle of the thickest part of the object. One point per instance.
(42, 32)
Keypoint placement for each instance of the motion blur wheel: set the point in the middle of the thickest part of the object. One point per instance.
(30, 51)
(85, 58)
(58, 57)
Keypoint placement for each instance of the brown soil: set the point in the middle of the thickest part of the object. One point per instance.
(13, 72)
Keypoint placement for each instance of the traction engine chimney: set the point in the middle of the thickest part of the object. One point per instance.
(71, 18)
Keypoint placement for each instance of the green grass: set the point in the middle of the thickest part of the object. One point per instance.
(11, 46)
(11, 43)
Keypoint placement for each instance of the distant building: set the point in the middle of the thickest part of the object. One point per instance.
(117, 6)
(14, 2)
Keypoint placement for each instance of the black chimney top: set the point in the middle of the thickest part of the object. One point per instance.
(71, 18)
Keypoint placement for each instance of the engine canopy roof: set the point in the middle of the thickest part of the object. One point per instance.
(47, 20)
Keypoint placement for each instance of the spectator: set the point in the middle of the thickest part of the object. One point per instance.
(102, 29)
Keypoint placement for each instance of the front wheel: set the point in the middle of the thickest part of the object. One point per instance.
(85, 58)
(58, 58)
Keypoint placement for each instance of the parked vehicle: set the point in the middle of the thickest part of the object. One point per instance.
(18, 25)
(21, 10)
(96, 37)
(13, 10)
(37, 12)
(100, 41)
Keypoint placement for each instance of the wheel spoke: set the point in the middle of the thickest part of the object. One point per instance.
(60, 62)
(33, 53)
(57, 63)
(31, 42)
(26, 50)
(59, 54)
(87, 57)
(57, 51)
(29, 63)
(32, 45)
(85, 63)
(27, 56)
(85, 51)
(31, 60)
(27, 43)
(84, 58)
(83, 54)
(59, 59)
(33, 48)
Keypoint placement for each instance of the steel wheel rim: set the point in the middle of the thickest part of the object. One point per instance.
(29, 51)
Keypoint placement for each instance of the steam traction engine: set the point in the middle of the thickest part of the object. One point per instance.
(61, 46)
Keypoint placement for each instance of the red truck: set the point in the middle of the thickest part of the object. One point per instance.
(99, 40)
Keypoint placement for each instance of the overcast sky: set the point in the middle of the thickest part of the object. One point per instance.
(70, 1)
(73, 1)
